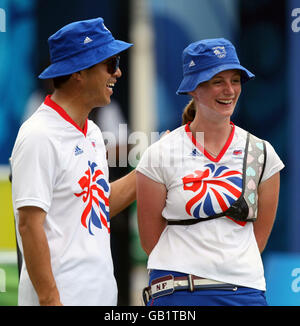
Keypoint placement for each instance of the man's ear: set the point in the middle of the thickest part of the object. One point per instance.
(77, 76)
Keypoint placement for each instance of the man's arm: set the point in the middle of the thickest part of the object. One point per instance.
(37, 255)
(123, 193)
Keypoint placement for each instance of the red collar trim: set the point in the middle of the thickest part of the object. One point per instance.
(49, 102)
(202, 149)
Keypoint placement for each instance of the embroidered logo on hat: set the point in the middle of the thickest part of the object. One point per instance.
(220, 51)
(87, 40)
(192, 64)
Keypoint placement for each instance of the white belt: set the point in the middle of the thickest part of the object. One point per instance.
(168, 284)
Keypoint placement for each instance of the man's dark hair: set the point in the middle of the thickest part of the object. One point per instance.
(59, 81)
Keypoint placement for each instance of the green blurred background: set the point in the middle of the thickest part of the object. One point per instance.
(8, 257)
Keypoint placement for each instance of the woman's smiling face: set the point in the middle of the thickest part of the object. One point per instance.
(220, 94)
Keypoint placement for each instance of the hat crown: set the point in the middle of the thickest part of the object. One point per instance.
(208, 53)
(80, 45)
(77, 37)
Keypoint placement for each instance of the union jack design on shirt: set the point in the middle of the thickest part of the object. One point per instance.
(95, 194)
(216, 190)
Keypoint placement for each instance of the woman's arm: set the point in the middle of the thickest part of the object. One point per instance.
(268, 193)
(151, 199)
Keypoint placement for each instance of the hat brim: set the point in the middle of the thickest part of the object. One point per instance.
(192, 80)
(84, 60)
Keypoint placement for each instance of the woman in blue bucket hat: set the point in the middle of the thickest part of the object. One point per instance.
(207, 192)
(62, 197)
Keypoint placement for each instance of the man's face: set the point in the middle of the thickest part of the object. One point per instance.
(99, 83)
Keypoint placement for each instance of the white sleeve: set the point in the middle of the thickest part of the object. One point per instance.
(33, 163)
(273, 162)
(149, 165)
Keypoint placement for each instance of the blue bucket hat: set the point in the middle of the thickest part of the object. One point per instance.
(204, 59)
(80, 45)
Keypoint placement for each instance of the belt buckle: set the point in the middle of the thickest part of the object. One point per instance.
(162, 286)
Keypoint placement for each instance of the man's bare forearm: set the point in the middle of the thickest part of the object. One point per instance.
(123, 193)
(37, 257)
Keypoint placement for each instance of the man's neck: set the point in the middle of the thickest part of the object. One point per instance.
(72, 104)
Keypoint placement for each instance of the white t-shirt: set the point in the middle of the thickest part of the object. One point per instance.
(63, 170)
(219, 249)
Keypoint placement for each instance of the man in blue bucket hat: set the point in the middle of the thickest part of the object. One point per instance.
(62, 197)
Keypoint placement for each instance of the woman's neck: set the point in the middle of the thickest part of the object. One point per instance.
(215, 133)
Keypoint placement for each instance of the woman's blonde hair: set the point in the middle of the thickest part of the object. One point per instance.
(189, 112)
